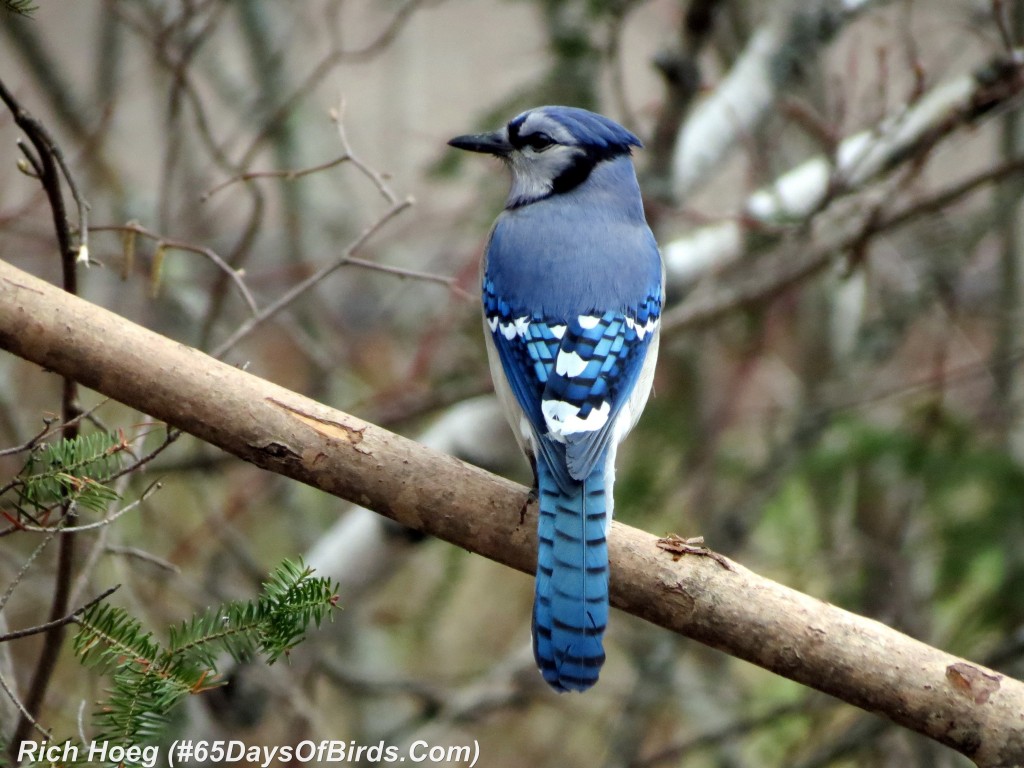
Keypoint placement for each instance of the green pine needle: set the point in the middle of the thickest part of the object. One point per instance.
(19, 7)
(149, 679)
(75, 470)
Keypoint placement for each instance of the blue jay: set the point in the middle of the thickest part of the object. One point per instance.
(572, 293)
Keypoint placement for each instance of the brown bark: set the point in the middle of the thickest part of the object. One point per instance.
(974, 710)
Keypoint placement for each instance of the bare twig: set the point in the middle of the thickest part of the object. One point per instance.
(745, 97)
(180, 245)
(742, 727)
(149, 491)
(348, 257)
(82, 252)
(48, 430)
(300, 288)
(903, 139)
(347, 156)
(25, 714)
(20, 575)
(448, 282)
(31, 442)
(177, 68)
(144, 556)
(771, 278)
(322, 69)
(338, 115)
(50, 625)
(286, 175)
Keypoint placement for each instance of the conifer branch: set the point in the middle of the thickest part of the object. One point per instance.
(150, 678)
(19, 7)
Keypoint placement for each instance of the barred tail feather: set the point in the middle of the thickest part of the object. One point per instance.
(570, 609)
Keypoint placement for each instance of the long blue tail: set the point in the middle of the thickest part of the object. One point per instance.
(570, 607)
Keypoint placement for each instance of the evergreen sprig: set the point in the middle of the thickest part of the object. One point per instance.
(74, 470)
(149, 679)
(19, 7)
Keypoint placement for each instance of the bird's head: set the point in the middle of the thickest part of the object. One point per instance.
(551, 150)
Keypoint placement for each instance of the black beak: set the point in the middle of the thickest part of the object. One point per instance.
(493, 143)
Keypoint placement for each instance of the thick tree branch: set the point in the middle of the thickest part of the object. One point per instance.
(974, 710)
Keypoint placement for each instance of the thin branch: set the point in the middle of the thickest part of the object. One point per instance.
(774, 56)
(100, 541)
(321, 70)
(181, 245)
(138, 463)
(337, 116)
(1000, 15)
(347, 258)
(149, 491)
(144, 556)
(286, 175)
(47, 163)
(48, 430)
(169, 438)
(953, 194)
(348, 156)
(33, 168)
(236, 259)
(902, 139)
(29, 444)
(300, 288)
(452, 283)
(25, 714)
(794, 262)
(739, 728)
(82, 253)
(798, 261)
(20, 575)
(50, 625)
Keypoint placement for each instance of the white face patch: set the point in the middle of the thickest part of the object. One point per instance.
(563, 418)
(569, 364)
(534, 173)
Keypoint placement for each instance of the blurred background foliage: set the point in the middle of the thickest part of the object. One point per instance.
(856, 434)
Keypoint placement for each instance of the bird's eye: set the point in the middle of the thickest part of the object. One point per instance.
(538, 142)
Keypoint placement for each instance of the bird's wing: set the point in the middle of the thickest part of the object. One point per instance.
(527, 345)
(596, 369)
(572, 376)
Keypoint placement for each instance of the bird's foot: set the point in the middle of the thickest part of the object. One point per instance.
(531, 498)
